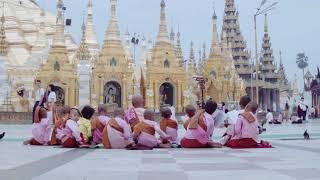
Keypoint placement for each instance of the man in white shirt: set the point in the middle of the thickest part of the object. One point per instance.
(269, 116)
(39, 94)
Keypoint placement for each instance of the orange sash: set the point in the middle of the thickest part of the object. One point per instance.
(168, 123)
(249, 117)
(143, 127)
(196, 121)
(105, 135)
(36, 115)
(97, 124)
(135, 121)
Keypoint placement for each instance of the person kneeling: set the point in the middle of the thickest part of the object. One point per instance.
(99, 123)
(145, 133)
(246, 130)
(200, 128)
(117, 133)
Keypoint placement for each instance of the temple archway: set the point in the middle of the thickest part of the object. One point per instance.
(112, 93)
(167, 94)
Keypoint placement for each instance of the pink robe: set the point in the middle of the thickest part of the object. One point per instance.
(97, 134)
(41, 131)
(71, 130)
(244, 129)
(148, 140)
(117, 139)
(200, 134)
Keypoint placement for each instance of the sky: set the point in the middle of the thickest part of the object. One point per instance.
(293, 26)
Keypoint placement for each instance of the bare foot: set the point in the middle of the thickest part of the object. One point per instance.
(215, 145)
(27, 142)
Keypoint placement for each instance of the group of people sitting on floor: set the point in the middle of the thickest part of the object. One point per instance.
(136, 128)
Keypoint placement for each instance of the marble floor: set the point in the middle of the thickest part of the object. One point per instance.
(291, 159)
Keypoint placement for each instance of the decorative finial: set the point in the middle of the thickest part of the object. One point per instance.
(266, 23)
(214, 16)
(163, 4)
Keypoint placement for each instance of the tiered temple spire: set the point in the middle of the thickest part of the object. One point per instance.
(232, 28)
(113, 33)
(192, 69)
(215, 47)
(178, 49)
(267, 59)
(58, 39)
(163, 33)
(281, 72)
(90, 38)
(83, 51)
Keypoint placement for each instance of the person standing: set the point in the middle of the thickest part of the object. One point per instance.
(39, 95)
(302, 109)
(286, 112)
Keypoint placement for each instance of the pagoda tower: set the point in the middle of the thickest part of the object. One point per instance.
(178, 49)
(112, 74)
(269, 94)
(192, 66)
(90, 35)
(224, 84)
(234, 36)
(166, 77)
(83, 57)
(58, 70)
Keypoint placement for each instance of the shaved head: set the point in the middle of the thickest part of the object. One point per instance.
(149, 114)
(137, 101)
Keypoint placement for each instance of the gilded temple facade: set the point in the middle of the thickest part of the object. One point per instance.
(85, 74)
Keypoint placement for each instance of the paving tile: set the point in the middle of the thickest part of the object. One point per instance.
(302, 173)
(157, 160)
(179, 175)
(219, 166)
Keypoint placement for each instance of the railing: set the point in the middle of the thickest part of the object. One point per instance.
(15, 117)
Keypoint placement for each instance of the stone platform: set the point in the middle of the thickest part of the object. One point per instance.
(290, 159)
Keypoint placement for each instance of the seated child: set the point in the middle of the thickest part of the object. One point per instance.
(85, 123)
(117, 133)
(169, 126)
(295, 119)
(99, 123)
(190, 112)
(200, 128)
(245, 133)
(69, 134)
(145, 132)
(40, 128)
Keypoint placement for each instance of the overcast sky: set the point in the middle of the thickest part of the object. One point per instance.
(294, 26)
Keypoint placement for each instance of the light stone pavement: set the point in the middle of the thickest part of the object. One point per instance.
(290, 159)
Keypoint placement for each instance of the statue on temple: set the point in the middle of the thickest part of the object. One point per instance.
(110, 95)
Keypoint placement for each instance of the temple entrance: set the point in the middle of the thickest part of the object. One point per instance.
(60, 96)
(112, 93)
(167, 94)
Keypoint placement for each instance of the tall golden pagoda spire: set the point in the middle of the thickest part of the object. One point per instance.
(215, 48)
(163, 33)
(113, 33)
